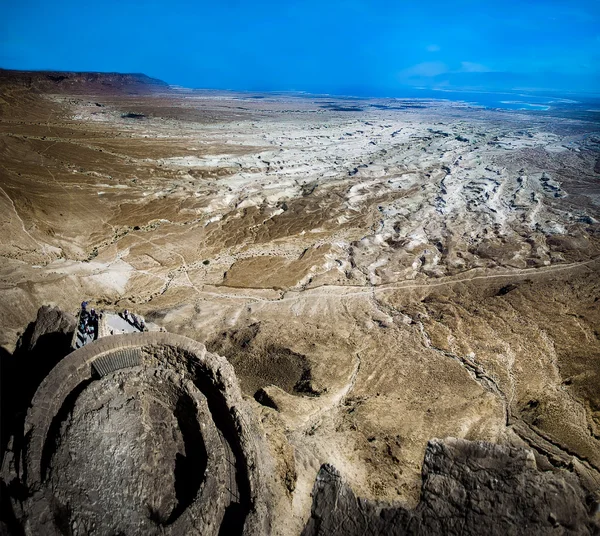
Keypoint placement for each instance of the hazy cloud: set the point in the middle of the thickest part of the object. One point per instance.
(432, 69)
(428, 68)
(470, 67)
(433, 48)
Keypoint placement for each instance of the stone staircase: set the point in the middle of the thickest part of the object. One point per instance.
(119, 359)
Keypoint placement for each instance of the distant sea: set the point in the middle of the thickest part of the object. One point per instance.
(576, 106)
(508, 101)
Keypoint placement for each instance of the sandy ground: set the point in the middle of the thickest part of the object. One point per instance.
(379, 277)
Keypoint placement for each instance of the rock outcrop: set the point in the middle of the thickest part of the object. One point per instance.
(74, 82)
(45, 342)
(50, 321)
(468, 488)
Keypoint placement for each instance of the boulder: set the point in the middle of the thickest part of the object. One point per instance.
(469, 488)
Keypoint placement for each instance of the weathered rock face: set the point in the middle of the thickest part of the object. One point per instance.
(50, 321)
(149, 424)
(139, 434)
(62, 81)
(45, 342)
(468, 488)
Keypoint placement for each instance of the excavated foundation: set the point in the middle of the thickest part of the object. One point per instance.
(141, 434)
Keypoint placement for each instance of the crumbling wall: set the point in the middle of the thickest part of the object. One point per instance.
(129, 427)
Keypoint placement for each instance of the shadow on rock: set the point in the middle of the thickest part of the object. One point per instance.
(469, 488)
(45, 342)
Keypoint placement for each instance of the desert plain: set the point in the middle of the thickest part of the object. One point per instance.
(379, 272)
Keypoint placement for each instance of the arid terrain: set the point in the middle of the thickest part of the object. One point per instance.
(378, 272)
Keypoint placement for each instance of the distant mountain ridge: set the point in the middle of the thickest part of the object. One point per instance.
(75, 82)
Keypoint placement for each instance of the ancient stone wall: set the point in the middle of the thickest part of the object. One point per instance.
(163, 447)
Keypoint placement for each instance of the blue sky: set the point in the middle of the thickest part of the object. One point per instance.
(353, 46)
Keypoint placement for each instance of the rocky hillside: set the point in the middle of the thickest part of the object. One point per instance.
(469, 488)
(77, 82)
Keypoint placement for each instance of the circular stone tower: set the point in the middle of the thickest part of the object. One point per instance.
(143, 433)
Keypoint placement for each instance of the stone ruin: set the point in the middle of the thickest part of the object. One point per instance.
(142, 433)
